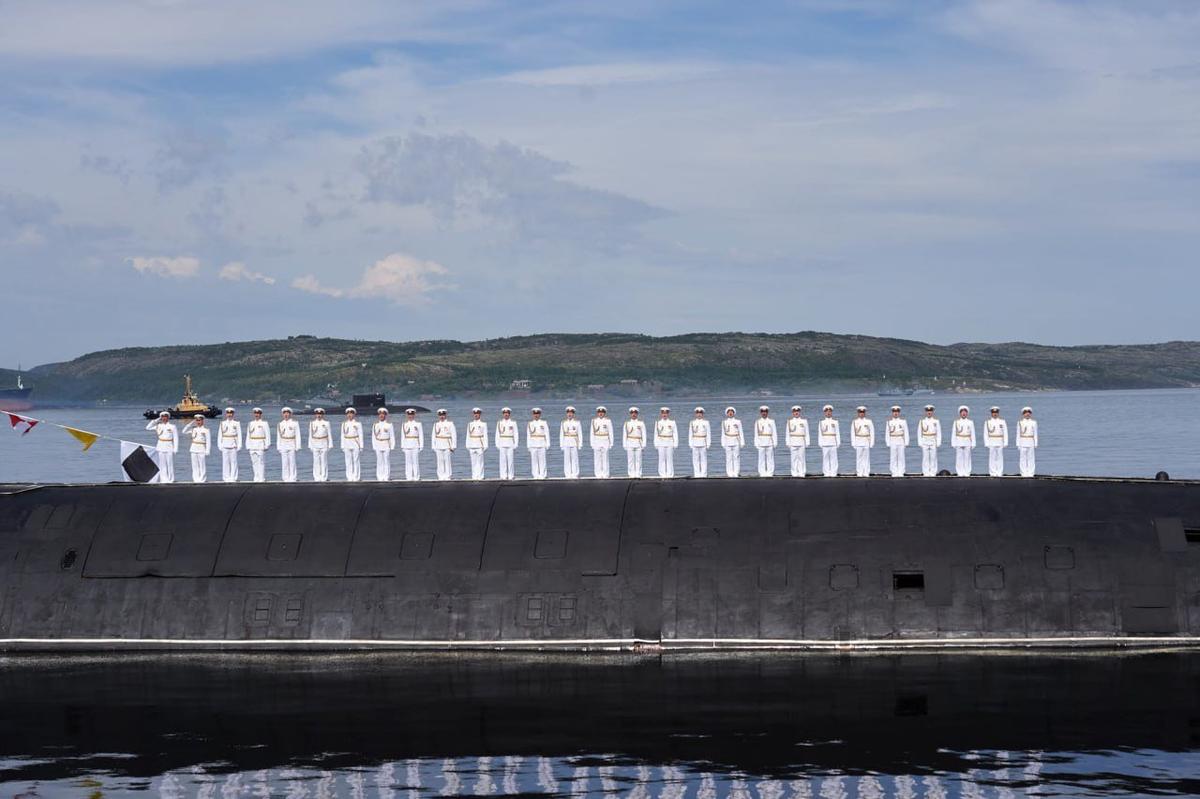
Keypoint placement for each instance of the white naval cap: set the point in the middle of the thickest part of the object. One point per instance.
(477, 410)
(862, 408)
(1027, 409)
(601, 408)
(698, 409)
(351, 410)
(410, 411)
(197, 416)
(506, 410)
(318, 410)
(442, 412)
(664, 409)
(763, 408)
(164, 413)
(634, 409)
(994, 408)
(384, 411)
(796, 408)
(962, 408)
(230, 410)
(285, 409)
(571, 408)
(895, 407)
(730, 408)
(256, 410)
(827, 407)
(929, 407)
(535, 410)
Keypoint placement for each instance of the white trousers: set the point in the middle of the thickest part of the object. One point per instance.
(929, 460)
(537, 463)
(199, 467)
(412, 464)
(445, 470)
(229, 465)
(896, 461)
(476, 463)
(353, 464)
(320, 465)
(633, 462)
(829, 462)
(666, 461)
(1028, 461)
(166, 466)
(600, 461)
(258, 464)
(383, 465)
(571, 463)
(766, 461)
(733, 460)
(287, 464)
(799, 467)
(962, 461)
(699, 461)
(862, 461)
(506, 462)
(995, 461)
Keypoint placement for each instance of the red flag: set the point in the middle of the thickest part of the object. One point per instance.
(15, 420)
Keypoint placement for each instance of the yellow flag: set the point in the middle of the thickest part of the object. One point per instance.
(84, 437)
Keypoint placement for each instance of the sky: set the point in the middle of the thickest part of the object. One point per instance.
(179, 171)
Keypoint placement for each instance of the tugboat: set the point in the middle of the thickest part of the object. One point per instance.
(15, 399)
(188, 407)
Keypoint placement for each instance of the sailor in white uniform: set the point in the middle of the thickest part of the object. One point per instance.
(383, 441)
(829, 438)
(477, 442)
(352, 445)
(962, 438)
(699, 439)
(445, 441)
(229, 442)
(795, 435)
(320, 441)
(508, 437)
(896, 433)
(201, 445)
(765, 439)
(1027, 441)
(537, 441)
(412, 441)
(666, 439)
(929, 437)
(995, 438)
(287, 442)
(633, 439)
(732, 441)
(166, 444)
(570, 441)
(258, 441)
(601, 441)
(862, 438)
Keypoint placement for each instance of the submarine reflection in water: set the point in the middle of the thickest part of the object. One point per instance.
(702, 727)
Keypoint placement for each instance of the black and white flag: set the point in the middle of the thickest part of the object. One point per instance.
(138, 464)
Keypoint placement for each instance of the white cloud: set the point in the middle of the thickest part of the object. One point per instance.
(236, 270)
(182, 266)
(399, 279)
(595, 75)
(310, 284)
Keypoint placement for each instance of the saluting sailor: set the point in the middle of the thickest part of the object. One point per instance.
(477, 442)
(699, 439)
(1027, 441)
(445, 441)
(732, 441)
(862, 438)
(896, 433)
(995, 438)
(795, 435)
(412, 441)
(666, 439)
(320, 441)
(962, 438)
(508, 436)
(766, 439)
(287, 443)
(229, 441)
(166, 444)
(200, 447)
(537, 441)
(352, 445)
(570, 441)
(601, 441)
(633, 439)
(929, 437)
(829, 438)
(258, 441)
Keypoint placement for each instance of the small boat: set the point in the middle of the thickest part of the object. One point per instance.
(16, 399)
(363, 404)
(187, 407)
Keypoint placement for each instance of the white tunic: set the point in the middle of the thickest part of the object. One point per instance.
(929, 432)
(896, 432)
(634, 434)
(570, 434)
(666, 433)
(445, 435)
(601, 436)
(508, 434)
(764, 433)
(288, 436)
(1027, 433)
(537, 434)
(963, 433)
(829, 433)
(699, 433)
(731, 433)
(258, 436)
(995, 433)
(477, 435)
(200, 438)
(862, 433)
(352, 435)
(320, 434)
(229, 434)
(166, 436)
(795, 432)
(383, 436)
(412, 435)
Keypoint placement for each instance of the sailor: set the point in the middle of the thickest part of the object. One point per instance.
(537, 440)
(601, 441)
(962, 438)
(633, 439)
(699, 439)
(896, 433)
(287, 442)
(666, 439)
(1027, 441)
(732, 441)
(829, 438)
(258, 441)
(477, 442)
(412, 441)
(508, 436)
(320, 441)
(929, 437)
(445, 441)
(383, 441)
(352, 445)
(795, 435)
(766, 439)
(995, 438)
(229, 441)
(166, 444)
(862, 438)
(570, 441)
(200, 447)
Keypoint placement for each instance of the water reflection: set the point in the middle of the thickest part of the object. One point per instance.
(737, 726)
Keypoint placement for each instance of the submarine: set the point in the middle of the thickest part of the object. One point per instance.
(644, 565)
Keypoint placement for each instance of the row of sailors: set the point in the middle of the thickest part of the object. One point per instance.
(601, 439)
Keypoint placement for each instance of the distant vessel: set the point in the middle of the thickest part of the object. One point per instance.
(362, 403)
(895, 392)
(187, 407)
(16, 399)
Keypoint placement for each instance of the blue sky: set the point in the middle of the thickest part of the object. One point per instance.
(985, 170)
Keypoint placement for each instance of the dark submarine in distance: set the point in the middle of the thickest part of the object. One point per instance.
(877, 563)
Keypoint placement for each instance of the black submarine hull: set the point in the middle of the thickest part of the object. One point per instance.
(843, 564)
